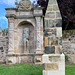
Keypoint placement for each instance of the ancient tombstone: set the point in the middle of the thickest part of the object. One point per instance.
(25, 29)
(53, 61)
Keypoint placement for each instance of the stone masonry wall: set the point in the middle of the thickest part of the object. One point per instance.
(53, 29)
(68, 44)
(3, 47)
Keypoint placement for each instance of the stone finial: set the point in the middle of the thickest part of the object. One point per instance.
(24, 4)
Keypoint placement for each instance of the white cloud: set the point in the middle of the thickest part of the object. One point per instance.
(3, 18)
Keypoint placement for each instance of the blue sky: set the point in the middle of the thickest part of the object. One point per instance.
(6, 4)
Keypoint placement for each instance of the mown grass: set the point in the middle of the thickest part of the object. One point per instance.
(26, 69)
(70, 69)
(21, 69)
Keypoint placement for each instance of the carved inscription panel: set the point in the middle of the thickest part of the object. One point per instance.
(51, 66)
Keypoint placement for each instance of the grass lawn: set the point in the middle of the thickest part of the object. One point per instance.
(24, 69)
(70, 69)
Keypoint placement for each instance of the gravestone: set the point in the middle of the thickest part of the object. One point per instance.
(53, 60)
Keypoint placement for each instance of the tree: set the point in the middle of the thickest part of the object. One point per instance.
(67, 11)
(43, 3)
(5, 30)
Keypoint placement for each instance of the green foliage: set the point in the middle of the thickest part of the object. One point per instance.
(66, 58)
(70, 70)
(5, 30)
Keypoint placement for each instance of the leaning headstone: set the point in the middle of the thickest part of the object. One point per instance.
(53, 59)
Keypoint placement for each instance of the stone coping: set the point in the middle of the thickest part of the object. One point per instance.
(10, 8)
(18, 9)
(39, 8)
(24, 54)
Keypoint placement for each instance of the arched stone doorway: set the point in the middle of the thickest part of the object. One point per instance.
(26, 37)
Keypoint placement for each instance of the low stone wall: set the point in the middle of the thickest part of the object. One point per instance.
(68, 44)
(3, 47)
(24, 58)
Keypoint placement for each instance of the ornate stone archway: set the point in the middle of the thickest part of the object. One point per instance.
(17, 17)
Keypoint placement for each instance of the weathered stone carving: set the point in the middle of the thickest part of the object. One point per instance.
(26, 45)
(24, 4)
(26, 40)
(38, 43)
(26, 33)
(51, 66)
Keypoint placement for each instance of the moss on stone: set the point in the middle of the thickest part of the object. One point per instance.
(67, 33)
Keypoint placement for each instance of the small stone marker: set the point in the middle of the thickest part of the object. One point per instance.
(53, 61)
(53, 64)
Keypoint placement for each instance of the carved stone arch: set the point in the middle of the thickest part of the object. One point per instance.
(29, 21)
(22, 26)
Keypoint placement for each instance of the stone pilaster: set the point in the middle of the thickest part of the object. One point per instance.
(39, 35)
(11, 35)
